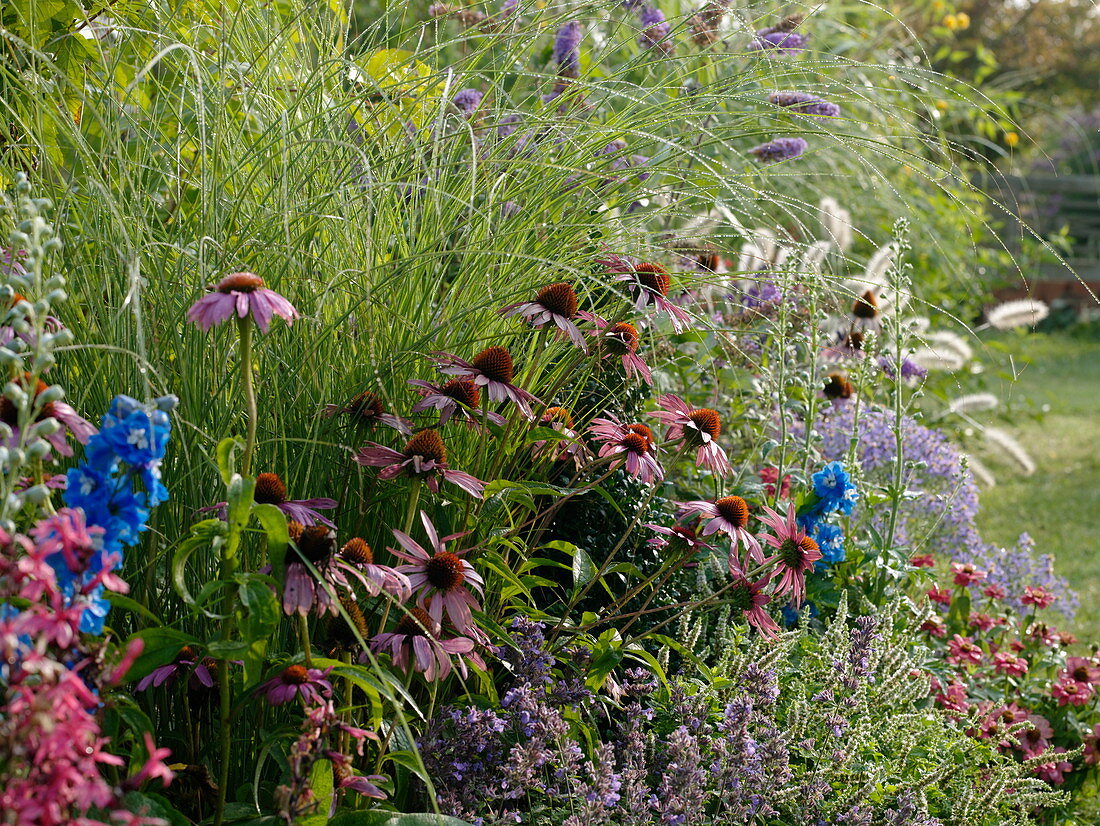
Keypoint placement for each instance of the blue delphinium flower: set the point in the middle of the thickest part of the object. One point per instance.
(129, 447)
(834, 488)
(830, 539)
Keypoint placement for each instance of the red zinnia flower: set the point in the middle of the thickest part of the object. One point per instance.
(1038, 596)
(966, 573)
(964, 650)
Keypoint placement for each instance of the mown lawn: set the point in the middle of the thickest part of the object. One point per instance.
(1057, 401)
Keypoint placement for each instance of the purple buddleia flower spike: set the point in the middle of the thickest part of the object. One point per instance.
(804, 104)
(781, 149)
(567, 52)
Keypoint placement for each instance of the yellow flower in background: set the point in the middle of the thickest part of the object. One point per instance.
(963, 20)
(1011, 139)
(951, 21)
(941, 104)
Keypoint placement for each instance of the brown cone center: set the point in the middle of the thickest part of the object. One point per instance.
(240, 282)
(495, 363)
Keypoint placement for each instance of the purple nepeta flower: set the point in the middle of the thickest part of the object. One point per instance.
(508, 124)
(804, 104)
(242, 293)
(567, 49)
(466, 101)
(778, 42)
(297, 681)
(781, 149)
(424, 456)
(655, 31)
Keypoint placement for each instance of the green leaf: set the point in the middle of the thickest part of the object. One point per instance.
(273, 522)
(320, 782)
(206, 534)
(583, 567)
(225, 454)
(135, 607)
(161, 645)
(257, 621)
(153, 805)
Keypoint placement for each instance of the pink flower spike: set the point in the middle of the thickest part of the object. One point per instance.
(154, 766)
(243, 294)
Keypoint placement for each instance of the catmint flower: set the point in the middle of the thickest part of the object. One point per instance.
(655, 30)
(804, 104)
(780, 149)
(467, 101)
(567, 49)
(243, 294)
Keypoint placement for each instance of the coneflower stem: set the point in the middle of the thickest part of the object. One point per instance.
(244, 325)
(303, 635)
(410, 511)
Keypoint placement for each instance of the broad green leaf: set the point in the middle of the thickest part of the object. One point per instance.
(226, 455)
(273, 522)
(320, 782)
(161, 645)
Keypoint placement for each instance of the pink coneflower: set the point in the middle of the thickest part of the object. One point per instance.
(728, 515)
(620, 340)
(679, 540)
(71, 422)
(749, 598)
(439, 578)
(569, 447)
(923, 561)
(416, 641)
(795, 553)
(357, 559)
(650, 284)
(1038, 596)
(424, 456)
(271, 490)
(492, 369)
(963, 650)
(302, 591)
(964, 574)
(696, 428)
(242, 293)
(456, 397)
(554, 304)
(186, 662)
(297, 681)
(1081, 670)
(633, 443)
(367, 409)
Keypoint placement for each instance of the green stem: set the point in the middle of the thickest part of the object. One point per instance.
(244, 325)
(410, 511)
(303, 634)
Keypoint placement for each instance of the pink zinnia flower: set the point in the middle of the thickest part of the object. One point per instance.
(71, 422)
(456, 397)
(696, 428)
(1038, 596)
(994, 592)
(728, 515)
(966, 574)
(556, 304)
(940, 595)
(242, 293)
(492, 369)
(935, 626)
(1081, 670)
(1054, 770)
(795, 554)
(1092, 752)
(439, 578)
(366, 408)
(981, 622)
(424, 456)
(1070, 692)
(297, 681)
(923, 561)
(650, 283)
(415, 641)
(749, 598)
(271, 490)
(633, 443)
(963, 650)
(622, 340)
(954, 699)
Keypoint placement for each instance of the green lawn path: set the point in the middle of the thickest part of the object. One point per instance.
(1060, 504)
